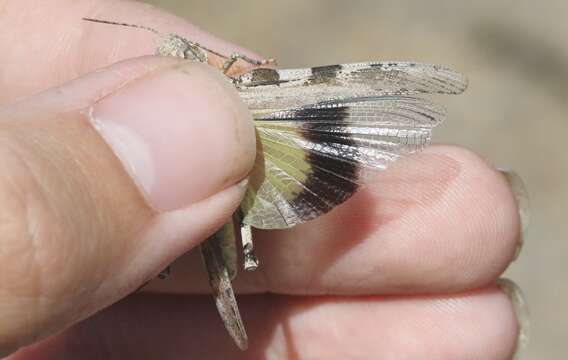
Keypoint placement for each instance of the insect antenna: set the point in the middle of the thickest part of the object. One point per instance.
(231, 59)
(151, 30)
(123, 24)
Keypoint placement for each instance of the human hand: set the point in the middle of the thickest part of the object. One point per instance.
(405, 269)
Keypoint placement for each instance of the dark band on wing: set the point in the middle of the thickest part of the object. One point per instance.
(324, 74)
(260, 77)
(327, 70)
(328, 181)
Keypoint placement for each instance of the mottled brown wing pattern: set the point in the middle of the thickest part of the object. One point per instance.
(264, 89)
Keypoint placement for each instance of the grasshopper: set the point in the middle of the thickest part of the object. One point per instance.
(318, 130)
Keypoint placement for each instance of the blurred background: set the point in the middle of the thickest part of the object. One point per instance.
(515, 112)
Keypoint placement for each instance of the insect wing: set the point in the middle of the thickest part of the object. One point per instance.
(310, 159)
(270, 89)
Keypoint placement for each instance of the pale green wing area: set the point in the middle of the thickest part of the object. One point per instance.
(310, 159)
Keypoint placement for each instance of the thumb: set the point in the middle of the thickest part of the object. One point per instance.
(108, 179)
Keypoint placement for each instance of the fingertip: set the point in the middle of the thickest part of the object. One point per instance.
(460, 229)
(482, 208)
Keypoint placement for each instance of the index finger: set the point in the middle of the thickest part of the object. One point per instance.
(43, 55)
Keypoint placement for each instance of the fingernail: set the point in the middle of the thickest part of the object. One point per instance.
(182, 133)
(514, 293)
(521, 196)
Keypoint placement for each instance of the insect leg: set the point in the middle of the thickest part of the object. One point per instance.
(228, 63)
(165, 273)
(220, 282)
(253, 61)
(231, 59)
(250, 260)
(162, 276)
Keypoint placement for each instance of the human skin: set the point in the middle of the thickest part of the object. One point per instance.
(407, 268)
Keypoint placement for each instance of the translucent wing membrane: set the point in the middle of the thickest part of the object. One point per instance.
(359, 131)
(290, 88)
(311, 157)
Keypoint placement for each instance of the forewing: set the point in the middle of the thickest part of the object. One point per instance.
(273, 89)
(310, 159)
